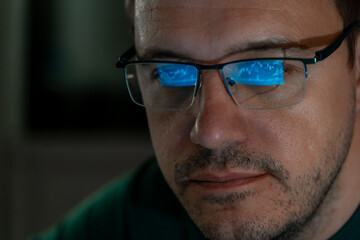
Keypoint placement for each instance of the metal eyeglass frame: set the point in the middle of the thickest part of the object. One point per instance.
(319, 56)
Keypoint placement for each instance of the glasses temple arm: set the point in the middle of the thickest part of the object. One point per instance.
(125, 57)
(322, 54)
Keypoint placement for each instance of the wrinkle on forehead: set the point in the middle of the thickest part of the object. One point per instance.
(209, 12)
(206, 4)
(208, 24)
(152, 8)
(203, 19)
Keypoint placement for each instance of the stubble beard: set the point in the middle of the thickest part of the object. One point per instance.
(306, 193)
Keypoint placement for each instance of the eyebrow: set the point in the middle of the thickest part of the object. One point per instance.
(257, 46)
(269, 45)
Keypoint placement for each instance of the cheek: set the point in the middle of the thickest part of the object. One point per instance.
(301, 135)
(289, 135)
(331, 97)
(170, 134)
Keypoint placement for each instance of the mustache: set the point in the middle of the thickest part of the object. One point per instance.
(230, 157)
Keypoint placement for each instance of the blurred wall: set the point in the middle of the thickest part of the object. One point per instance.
(11, 43)
(67, 126)
(4, 177)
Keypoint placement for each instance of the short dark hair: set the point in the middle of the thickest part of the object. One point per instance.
(349, 10)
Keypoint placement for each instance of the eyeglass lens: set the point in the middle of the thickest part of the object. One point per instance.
(253, 84)
(265, 83)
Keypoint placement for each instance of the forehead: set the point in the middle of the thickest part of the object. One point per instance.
(204, 28)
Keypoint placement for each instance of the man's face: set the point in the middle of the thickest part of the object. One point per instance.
(239, 173)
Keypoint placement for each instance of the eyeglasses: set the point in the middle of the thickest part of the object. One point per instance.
(261, 83)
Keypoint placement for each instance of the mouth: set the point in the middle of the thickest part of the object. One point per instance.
(211, 181)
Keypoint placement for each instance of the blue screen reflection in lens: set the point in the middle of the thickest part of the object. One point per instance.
(177, 75)
(260, 73)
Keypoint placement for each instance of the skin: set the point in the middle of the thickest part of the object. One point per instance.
(302, 150)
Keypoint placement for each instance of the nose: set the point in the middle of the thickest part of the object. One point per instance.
(219, 120)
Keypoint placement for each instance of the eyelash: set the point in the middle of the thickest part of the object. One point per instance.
(154, 74)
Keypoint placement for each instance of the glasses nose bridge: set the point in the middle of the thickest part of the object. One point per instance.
(219, 67)
(210, 67)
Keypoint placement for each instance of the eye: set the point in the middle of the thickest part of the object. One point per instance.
(293, 67)
(154, 74)
(288, 69)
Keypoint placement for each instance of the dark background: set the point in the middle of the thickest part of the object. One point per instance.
(73, 84)
(67, 124)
